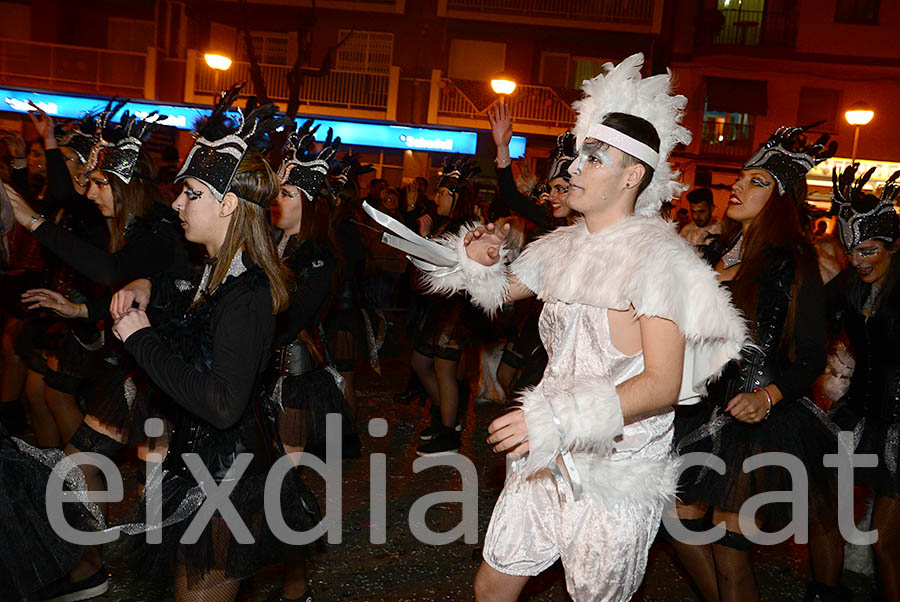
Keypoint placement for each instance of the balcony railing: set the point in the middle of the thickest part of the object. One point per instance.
(755, 28)
(343, 90)
(726, 140)
(578, 13)
(540, 106)
(74, 68)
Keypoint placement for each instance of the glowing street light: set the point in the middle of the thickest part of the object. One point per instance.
(859, 114)
(503, 85)
(217, 62)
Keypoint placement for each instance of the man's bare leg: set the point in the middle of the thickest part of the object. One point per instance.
(493, 586)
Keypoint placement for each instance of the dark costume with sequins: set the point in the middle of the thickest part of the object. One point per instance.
(209, 357)
(794, 427)
(872, 404)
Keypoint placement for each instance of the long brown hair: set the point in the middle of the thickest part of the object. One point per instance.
(132, 199)
(776, 226)
(256, 185)
(315, 222)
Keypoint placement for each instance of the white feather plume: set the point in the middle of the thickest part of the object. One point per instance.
(620, 89)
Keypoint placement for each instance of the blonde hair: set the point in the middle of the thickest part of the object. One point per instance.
(256, 185)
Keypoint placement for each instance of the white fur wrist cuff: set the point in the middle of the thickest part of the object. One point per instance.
(586, 417)
(486, 285)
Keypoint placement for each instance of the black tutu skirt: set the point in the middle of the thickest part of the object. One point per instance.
(39, 335)
(882, 439)
(216, 549)
(794, 427)
(123, 397)
(33, 554)
(302, 405)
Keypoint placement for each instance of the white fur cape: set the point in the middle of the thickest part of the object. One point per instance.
(640, 262)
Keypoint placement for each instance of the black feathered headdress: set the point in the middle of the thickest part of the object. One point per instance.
(221, 141)
(859, 220)
(562, 157)
(78, 135)
(787, 156)
(456, 172)
(343, 171)
(117, 146)
(301, 168)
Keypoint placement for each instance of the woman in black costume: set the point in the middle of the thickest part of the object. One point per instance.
(207, 349)
(143, 240)
(67, 356)
(446, 325)
(304, 392)
(864, 301)
(758, 405)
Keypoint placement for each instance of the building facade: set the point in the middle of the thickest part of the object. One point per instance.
(746, 66)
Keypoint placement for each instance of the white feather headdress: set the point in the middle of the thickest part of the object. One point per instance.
(621, 90)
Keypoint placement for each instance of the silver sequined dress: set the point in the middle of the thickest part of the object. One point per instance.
(603, 545)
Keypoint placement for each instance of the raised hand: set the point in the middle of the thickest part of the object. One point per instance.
(412, 195)
(483, 244)
(44, 125)
(501, 125)
(42, 298)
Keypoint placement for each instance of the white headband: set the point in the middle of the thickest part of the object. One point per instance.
(624, 143)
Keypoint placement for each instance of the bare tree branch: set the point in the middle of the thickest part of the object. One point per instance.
(260, 89)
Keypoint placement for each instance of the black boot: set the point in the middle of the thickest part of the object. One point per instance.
(819, 592)
(446, 442)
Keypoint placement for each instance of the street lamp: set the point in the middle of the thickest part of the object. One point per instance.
(217, 62)
(503, 85)
(857, 115)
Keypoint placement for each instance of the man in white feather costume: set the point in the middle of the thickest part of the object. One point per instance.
(633, 322)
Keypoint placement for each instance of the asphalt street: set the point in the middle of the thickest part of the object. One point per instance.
(403, 568)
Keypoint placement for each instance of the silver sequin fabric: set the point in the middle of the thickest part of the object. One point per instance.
(603, 544)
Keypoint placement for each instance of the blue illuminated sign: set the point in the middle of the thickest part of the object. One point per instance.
(183, 117)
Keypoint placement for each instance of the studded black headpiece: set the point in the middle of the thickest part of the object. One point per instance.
(221, 141)
(787, 156)
(117, 146)
(301, 168)
(343, 171)
(562, 157)
(456, 172)
(864, 216)
(78, 136)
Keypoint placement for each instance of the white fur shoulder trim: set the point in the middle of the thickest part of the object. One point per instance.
(639, 262)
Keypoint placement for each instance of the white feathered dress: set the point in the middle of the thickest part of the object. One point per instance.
(592, 488)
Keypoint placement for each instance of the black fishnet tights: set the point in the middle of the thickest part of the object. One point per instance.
(735, 576)
(699, 563)
(212, 586)
(826, 555)
(87, 439)
(886, 519)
